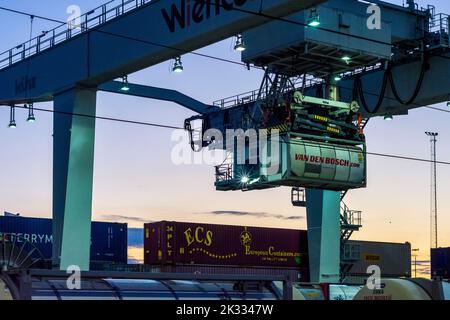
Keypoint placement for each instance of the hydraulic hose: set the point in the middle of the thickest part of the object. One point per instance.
(358, 90)
(411, 100)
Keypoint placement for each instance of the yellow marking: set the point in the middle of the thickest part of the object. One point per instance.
(212, 255)
(321, 118)
(281, 128)
(332, 129)
(371, 257)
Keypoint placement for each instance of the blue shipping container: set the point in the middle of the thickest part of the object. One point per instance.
(108, 240)
(440, 262)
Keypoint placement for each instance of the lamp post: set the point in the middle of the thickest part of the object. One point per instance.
(433, 200)
(415, 262)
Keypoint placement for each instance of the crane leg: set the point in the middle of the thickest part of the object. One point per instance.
(323, 209)
(73, 162)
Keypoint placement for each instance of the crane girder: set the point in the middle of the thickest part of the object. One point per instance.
(433, 89)
(147, 35)
(320, 148)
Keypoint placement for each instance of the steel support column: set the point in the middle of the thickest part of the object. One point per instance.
(73, 162)
(322, 207)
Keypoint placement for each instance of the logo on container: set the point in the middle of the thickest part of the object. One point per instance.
(246, 237)
(198, 235)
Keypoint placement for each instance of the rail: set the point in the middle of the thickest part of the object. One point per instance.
(298, 197)
(351, 218)
(66, 31)
(224, 172)
(259, 94)
(439, 24)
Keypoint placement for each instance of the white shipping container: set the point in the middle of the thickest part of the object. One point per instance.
(394, 259)
(313, 164)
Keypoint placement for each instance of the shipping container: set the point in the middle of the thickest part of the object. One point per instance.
(109, 240)
(315, 165)
(440, 262)
(295, 274)
(178, 243)
(394, 259)
(205, 248)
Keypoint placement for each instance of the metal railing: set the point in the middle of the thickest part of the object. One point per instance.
(350, 217)
(260, 94)
(68, 30)
(298, 197)
(439, 24)
(224, 172)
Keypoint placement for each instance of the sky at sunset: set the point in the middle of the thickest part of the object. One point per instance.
(135, 180)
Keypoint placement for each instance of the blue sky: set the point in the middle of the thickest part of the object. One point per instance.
(135, 180)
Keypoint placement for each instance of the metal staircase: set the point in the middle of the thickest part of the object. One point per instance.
(350, 222)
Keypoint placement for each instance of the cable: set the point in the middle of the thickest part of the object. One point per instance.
(31, 28)
(177, 49)
(424, 69)
(393, 99)
(260, 14)
(267, 16)
(406, 158)
(437, 109)
(105, 118)
(360, 92)
(181, 128)
(384, 155)
(360, 89)
(141, 41)
(31, 15)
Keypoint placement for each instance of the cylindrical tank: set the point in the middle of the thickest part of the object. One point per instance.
(52, 285)
(394, 289)
(312, 164)
(343, 292)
